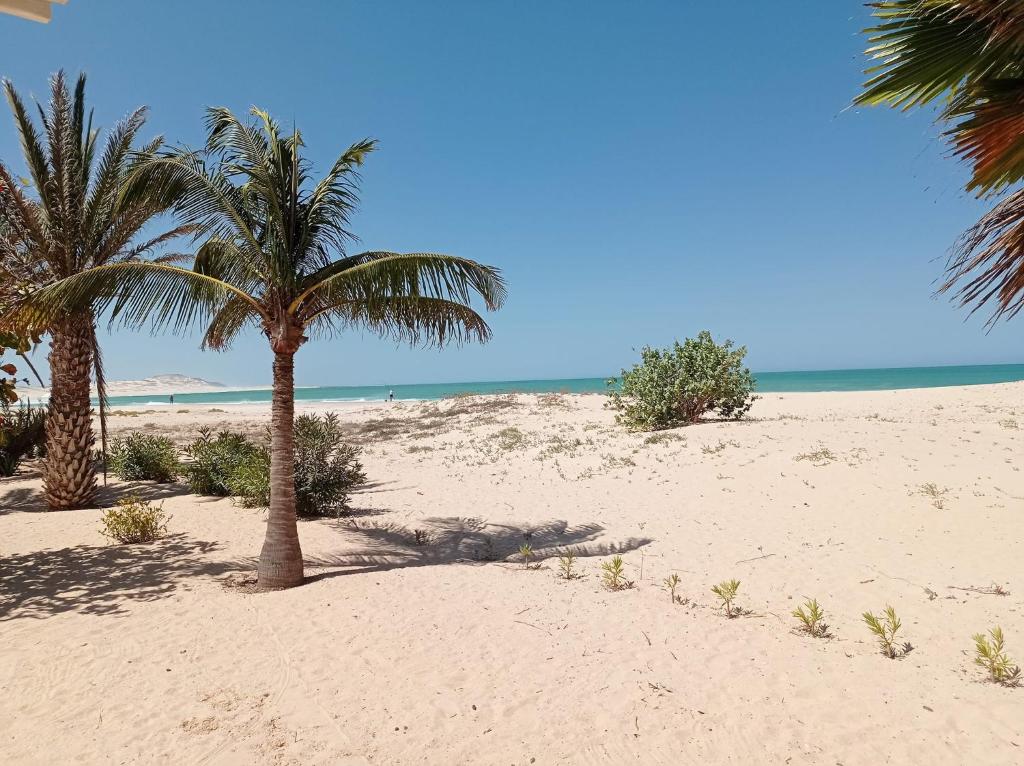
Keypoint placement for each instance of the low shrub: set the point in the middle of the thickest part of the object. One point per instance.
(22, 435)
(679, 385)
(326, 468)
(215, 459)
(134, 521)
(140, 456)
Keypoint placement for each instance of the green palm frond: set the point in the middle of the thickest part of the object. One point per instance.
(31, 142)
(136, 293)
(383, 274)
(229, 321)
(415, 320)
(966, 54)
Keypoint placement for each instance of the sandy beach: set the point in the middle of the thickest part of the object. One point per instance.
(451, 652)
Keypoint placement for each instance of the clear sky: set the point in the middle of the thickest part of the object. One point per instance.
(640, 171)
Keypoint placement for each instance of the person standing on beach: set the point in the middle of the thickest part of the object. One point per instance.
(391, 395)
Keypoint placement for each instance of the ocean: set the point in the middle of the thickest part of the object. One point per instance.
(768, 382)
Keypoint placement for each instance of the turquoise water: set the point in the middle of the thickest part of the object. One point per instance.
(817, 380)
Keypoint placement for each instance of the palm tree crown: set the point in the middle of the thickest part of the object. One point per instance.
(67, 217)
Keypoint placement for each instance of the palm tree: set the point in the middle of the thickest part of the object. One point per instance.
(274, 256)
(967, 55)
(73, 219)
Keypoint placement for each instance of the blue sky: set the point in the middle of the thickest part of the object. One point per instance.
(640, 171)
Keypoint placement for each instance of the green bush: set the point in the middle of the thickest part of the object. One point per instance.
(326, 469)
(140, 456)
(134, 521)
(678, 385)
(249, 482)
(22, 435)
(215, 460)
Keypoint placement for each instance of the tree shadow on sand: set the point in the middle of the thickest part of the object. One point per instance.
(101, 580)
(450, 540)
(30, 499)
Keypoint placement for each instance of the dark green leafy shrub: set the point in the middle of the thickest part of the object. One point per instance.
(677, 386)
(134, 521)
(326, 469)
(22, 435)
(215, 460)
(250, 480)
(140, 456)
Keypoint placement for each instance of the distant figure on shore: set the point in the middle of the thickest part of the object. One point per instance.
(171, 397)
(391, 395)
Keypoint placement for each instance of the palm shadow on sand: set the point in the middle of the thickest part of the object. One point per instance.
(460, 540)
(101, 579)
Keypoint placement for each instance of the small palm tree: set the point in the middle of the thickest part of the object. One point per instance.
(274, 256)
(66, 218)
(969, 56)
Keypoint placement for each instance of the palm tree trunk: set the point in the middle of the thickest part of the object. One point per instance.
(69, 476)
(281, 558)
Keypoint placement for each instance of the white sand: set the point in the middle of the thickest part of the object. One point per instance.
(400, 654)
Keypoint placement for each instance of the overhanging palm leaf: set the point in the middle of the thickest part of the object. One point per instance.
(968, 54)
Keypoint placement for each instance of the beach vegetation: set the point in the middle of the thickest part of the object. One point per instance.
(526, 554)
(134, 520)
(215, 460)
(990, 654)
(964, 57)
(273, 255)
(819, 457)
(671, 584)
(613, 574)
(567, 566)
(727, 591)
(679, 385)
(885, 627)
(144, 457)
(22, 435)
(67, 217)
(326, 469)
(812, 618)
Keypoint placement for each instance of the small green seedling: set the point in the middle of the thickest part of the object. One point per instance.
(726, 592)
(885, 627)
(812, 618)
(567, 566)
(989, 654)
(613, 574)
(526, 551)
(672, 582)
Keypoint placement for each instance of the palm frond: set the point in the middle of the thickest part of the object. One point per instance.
(230, 320)
(415, 320)
(136, 293)
(987, 264)
(382, 274)
(31, 142)
(967, 54)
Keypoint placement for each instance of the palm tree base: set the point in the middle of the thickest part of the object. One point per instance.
(279, 570)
